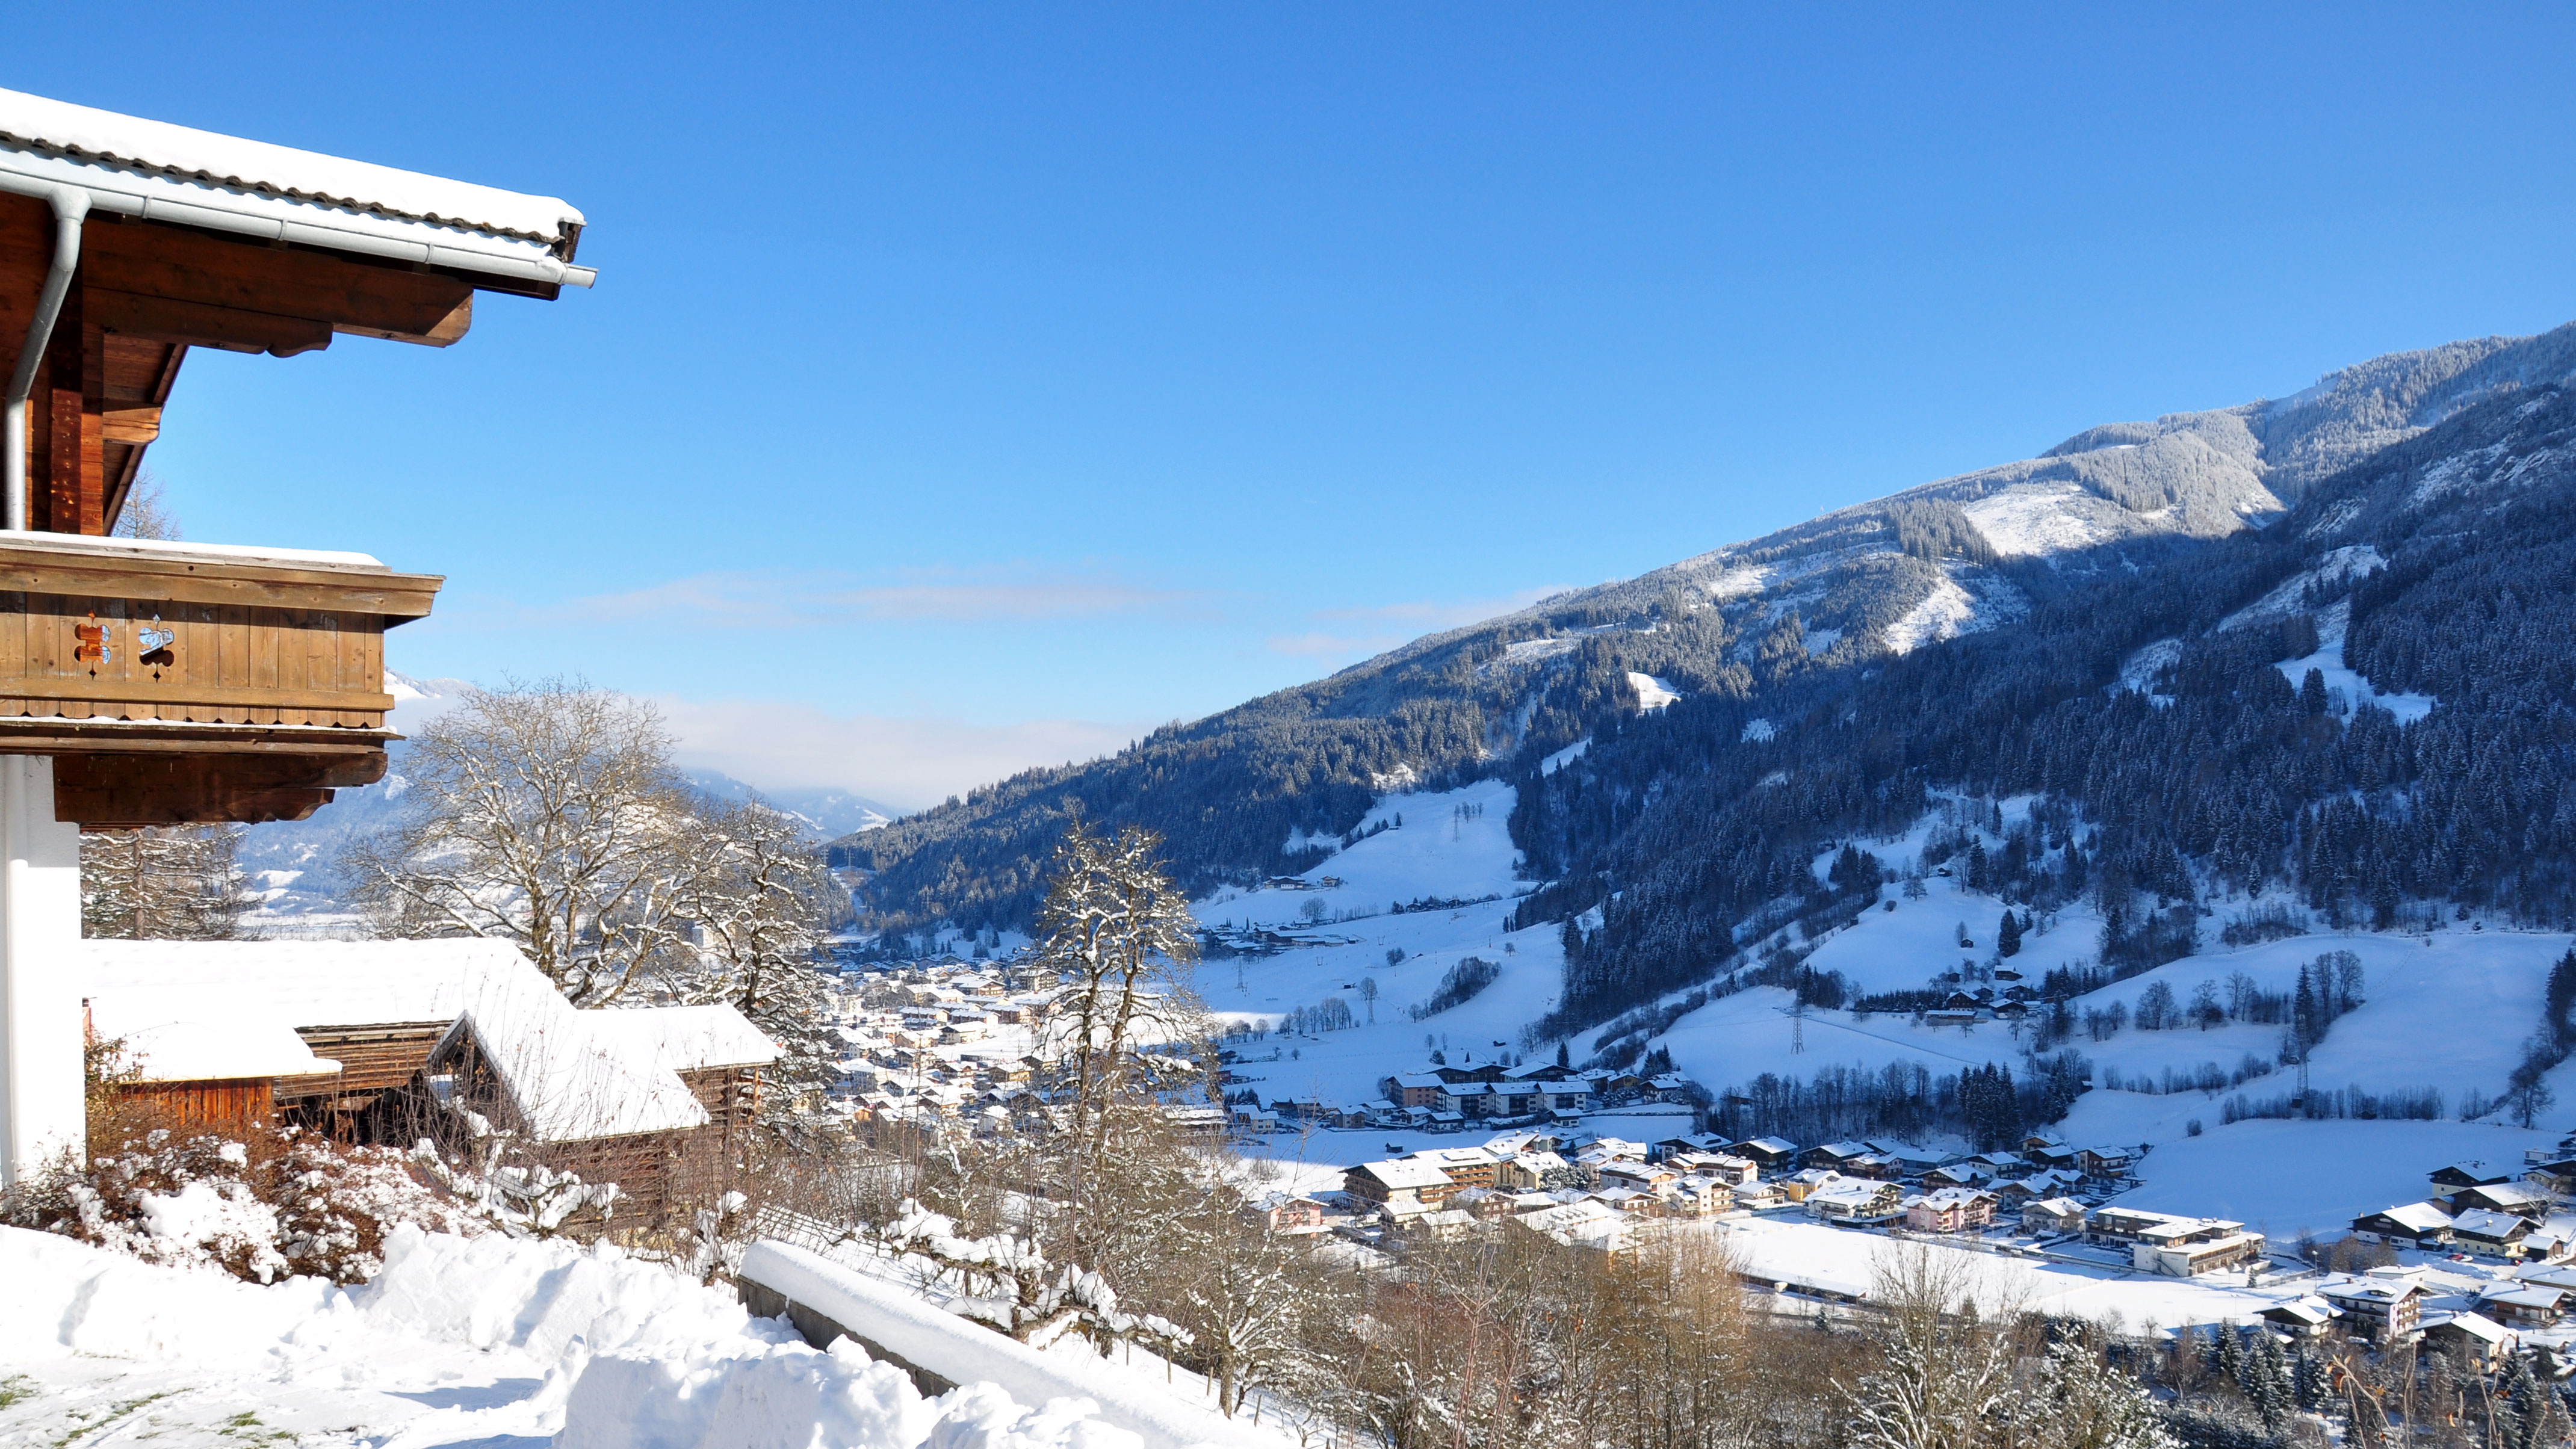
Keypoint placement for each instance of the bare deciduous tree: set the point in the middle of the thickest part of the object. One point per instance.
(548, 815)
(1117, 931)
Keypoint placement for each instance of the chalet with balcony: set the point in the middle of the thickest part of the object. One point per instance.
(2381, 1307)
(1950, 1210)
(2413, 1225)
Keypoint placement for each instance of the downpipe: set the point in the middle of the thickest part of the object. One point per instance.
(71, 205)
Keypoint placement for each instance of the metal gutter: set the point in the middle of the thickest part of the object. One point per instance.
(70, 205)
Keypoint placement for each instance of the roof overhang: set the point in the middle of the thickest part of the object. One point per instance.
(176, 174)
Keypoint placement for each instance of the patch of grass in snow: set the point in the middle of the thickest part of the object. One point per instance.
(83, 1425)
(17, 1389)
(241, 1425)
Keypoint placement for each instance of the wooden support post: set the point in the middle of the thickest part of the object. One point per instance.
(43, 1107)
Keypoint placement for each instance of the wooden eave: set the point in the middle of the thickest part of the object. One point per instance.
(145, 292)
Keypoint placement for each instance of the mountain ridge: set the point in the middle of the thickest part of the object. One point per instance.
(1237, 791)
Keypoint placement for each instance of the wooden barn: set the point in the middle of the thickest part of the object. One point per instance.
(393, 1041)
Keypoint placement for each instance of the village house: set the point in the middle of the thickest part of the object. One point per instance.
(2497, 1235)
(2106, 1163)
(1465, 1166)
(1857, 1202)
(2524, 1305)
(2472, 1338)
(1439, 1226)
(2416, 1225)
(2381, 1307)
(1533, 1171)
(1949, 1210)
(1400, 1187)
(1726, 1166)
(1638, 1176)
(2556, 1176)
(1412, 1089)
(1692, 1142)
(2307, 1317)
(2186, 1248)
(2500, 1197)
(1770, 1153)
(1698, 1196)
(2467, 1174)
(2053, 1216)
(1835, 1156)
(1797, 1185)
(1587, 1224)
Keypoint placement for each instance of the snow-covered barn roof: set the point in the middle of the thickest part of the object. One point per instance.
(574, 1076)
(691, 1038)
(229, 1009)
(177, 174)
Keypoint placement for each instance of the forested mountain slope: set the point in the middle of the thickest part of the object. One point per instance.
(1834, 674)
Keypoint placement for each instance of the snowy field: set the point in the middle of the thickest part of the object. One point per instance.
(1842, 1261)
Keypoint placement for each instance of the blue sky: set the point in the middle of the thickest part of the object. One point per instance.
(968, 387)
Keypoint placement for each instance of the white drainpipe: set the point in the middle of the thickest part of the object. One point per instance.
(70, 205)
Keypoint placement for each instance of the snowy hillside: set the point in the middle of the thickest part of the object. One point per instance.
(1858, 588)
(2447, 1012)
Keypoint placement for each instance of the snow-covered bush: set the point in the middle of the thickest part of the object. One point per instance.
(274, 1205)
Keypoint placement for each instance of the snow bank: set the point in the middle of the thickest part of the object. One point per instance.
(792, 1395)
(494, 1339)
(965, 1353)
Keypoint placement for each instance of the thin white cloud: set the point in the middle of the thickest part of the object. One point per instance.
(1415, 617)
(736, 597)
(908, 762)
(1432, 615)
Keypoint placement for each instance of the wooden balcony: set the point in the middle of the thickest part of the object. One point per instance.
(180, 683)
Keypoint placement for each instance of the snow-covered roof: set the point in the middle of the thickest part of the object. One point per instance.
(137, 987)
(1404, 1174)
(2476, 1325)
(2419, 1217)
(225, 1009)
(178, 174)
(188, 1051)
(690, 1038)
(574, 1076)
(2480, 1223)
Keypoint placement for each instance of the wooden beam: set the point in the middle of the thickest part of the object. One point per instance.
(115, 792)
(204, 324)
(131, 423)
(140, 372)
(189, 581)
(174, 691)
(182, 265)
(75, 488)
(449, 329)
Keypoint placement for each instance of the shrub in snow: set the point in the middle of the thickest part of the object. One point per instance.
(274, 1205)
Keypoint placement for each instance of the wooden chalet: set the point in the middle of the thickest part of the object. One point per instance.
(158, 683)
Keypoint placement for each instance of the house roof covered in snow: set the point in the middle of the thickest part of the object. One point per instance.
(2419, 1217)
(171, 173)
(1405, 1174)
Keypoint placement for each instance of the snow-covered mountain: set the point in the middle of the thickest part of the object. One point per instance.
(1246, 793)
